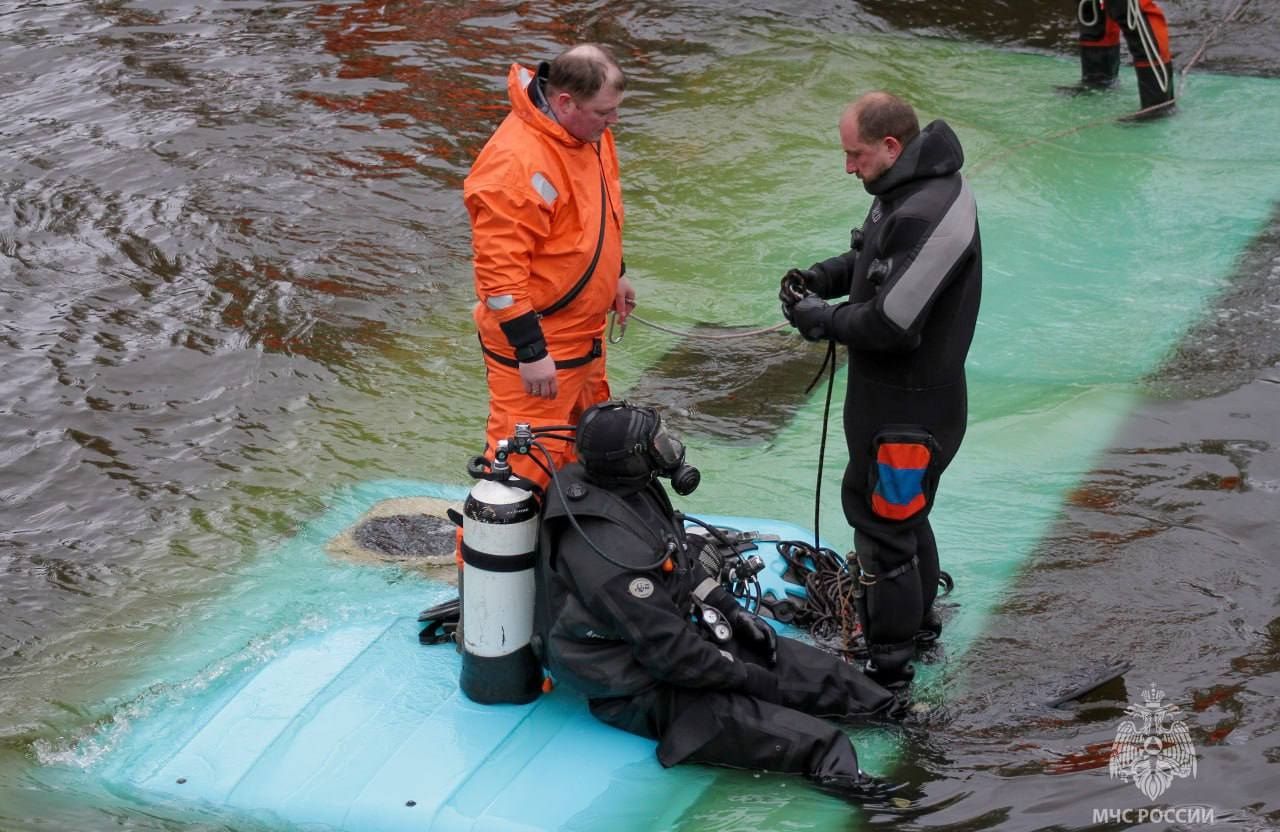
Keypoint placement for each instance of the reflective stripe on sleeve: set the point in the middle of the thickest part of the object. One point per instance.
(544, 188)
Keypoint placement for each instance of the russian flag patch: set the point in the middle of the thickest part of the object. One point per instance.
(900, 469)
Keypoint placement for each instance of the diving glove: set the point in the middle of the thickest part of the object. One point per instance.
(812, 317)
(749, 629)
(796, 285)
(756, 632)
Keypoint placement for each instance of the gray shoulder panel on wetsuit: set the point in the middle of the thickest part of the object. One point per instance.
(946, 245)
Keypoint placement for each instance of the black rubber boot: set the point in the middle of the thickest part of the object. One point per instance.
(890, 666)
(891, 609)
(1099, 67)
(930, 630)
(1149, 92)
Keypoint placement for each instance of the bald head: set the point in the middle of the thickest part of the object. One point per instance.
(873, 130)
(584, 91)
(878, 115)
(584, 70)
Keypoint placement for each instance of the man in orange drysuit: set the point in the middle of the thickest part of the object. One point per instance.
(545, 204)
(1147, 32)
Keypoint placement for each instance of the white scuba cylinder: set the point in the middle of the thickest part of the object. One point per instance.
(499, 549)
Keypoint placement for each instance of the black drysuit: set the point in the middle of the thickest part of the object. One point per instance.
(913, 279)
(626, 638)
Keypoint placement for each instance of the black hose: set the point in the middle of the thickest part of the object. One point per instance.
(829, 611)
(828, 360)
(555, 478)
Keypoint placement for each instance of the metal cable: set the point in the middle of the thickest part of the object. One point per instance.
(1204, 44)
(686, 333)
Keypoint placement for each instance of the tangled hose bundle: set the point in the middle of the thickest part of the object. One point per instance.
(829, 610)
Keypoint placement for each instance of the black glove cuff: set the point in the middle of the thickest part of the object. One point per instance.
(525, 336)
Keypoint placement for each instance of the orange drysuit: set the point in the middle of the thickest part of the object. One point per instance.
(546, 219)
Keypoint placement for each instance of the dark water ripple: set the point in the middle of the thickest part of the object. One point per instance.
(172, 250)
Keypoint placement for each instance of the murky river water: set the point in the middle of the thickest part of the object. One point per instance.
(234, 278)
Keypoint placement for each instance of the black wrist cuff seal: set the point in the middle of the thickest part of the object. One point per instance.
(525, 336)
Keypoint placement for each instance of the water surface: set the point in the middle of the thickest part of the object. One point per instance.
(234, 281)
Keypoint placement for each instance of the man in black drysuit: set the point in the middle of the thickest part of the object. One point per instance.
(618, 589)
(913, 280)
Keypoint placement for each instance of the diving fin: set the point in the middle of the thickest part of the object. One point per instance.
(441, 622)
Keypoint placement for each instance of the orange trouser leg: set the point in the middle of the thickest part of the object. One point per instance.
(1159, 29)
(1118, 10)
(1102, 32)
(1154, 71)
(579, 388)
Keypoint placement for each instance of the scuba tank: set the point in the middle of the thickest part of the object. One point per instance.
(499, 549)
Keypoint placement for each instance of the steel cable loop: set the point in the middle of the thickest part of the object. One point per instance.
(836, 619)
(829, 610)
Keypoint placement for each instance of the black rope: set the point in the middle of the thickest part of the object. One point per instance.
(829, 361)
(626, 567)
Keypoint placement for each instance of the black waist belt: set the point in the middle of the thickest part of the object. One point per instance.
(597, 350)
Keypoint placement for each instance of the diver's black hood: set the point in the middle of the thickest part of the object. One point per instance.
(935, 152)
